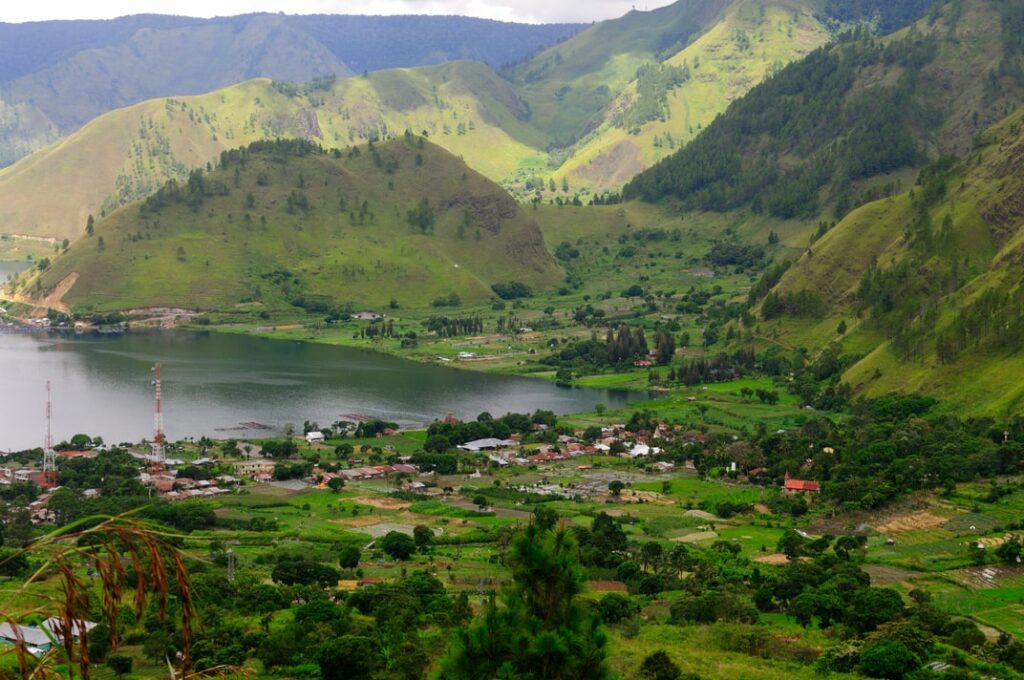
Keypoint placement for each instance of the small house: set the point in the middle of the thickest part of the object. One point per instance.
(791, 485)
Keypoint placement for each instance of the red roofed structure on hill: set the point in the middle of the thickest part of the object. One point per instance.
(800, 485)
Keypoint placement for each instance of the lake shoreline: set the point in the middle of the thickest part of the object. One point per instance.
(214, 381)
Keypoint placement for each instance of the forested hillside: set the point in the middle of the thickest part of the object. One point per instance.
(922, 291)
(56, 76)
(813, 136)
(286, 224)
(887, 15)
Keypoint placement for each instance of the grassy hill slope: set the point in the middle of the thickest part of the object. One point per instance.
(929, 284)
(569, 85)
(127, 154)
(284, 223)
(657, 114)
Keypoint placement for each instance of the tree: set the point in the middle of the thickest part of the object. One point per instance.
(1010, 552)
(480, 501)
(888, 659)
(158, 647)
(538, 629)
(304, 572)
(336, 484)
(90, 226)
(658, 666)
(651, 553)
(349, 657)
(119, 663)
(665, 346)
(616, 487)
(423, 536)
(616, 607)
(437, 444)
(349, 557)
(791, 544)
(422, 216)
(397, 545)
(872, 607)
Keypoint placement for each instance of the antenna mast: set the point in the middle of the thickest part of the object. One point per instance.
(49, 457)
(159, 453)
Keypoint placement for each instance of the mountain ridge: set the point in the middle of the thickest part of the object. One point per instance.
(46, 93)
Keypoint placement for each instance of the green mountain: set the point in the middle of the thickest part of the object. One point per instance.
(283, 224)
(502, 128)
(56, 76)
(577, 119)
(570, 84)
(131, 152)
(819, 136)
(928, 285)
(668, 102)
(910, 143)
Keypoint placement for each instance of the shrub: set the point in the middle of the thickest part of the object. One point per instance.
(120, 664)
(888, 659)
(512, 290)
(616, 607)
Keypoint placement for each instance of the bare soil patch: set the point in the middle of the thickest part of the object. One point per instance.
(922, 519)
(382, 502)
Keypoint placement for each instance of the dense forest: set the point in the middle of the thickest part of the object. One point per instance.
(888, 15)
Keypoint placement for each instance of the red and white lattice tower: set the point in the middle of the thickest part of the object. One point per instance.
(49, 457)
(159, 453)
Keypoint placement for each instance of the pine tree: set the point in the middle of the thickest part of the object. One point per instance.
(538, 629)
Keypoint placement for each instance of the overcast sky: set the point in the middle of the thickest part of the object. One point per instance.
(532, 11)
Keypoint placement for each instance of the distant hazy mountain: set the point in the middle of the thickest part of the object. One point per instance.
(56, 76)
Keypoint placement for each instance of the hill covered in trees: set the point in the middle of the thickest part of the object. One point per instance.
(286, 224)
(921, 291)
(818, 134)
(56, 76)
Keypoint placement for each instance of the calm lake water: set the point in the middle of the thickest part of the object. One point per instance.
(214, 383)
(9, 268)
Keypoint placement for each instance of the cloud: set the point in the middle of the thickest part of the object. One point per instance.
(530, 11)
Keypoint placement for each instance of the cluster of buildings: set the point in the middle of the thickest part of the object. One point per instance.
(39, 640)
(372, 472)
(614, 440)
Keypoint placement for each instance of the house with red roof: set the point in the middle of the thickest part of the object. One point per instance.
(791, 485)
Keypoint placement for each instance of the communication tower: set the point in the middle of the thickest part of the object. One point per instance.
(159, 452)
(49, 457)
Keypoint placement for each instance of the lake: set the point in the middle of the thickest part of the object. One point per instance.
(214, 383)
(7, 269)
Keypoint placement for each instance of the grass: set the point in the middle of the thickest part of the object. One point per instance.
(375, 256)
(723, 69)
